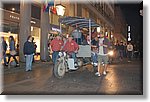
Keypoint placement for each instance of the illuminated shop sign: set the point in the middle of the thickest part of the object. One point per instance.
(55, 29)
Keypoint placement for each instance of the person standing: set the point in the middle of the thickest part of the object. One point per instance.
(129, 51)
(117, 54)
(125, 50)
(56, 46)
(12, 50)
(121, 50)
(103, 46)
(28, 51)
(4, 45)
(94, 45)
(35, 46)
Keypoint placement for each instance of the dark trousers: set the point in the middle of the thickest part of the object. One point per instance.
(4, 56)
(78, 40)
(14, 57)
(129, 55)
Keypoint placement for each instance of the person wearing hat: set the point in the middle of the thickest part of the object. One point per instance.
(103, 45)
(71, 47)
(56, 46)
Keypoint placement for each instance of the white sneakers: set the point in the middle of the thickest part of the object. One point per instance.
(98, 74)
(104, 73)
(95, 64)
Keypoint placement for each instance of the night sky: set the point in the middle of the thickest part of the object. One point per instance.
(134, 19)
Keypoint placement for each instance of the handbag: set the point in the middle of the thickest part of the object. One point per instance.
(13, 52)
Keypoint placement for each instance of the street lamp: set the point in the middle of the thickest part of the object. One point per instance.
(60, 12)
(60, 9)
(98, 29)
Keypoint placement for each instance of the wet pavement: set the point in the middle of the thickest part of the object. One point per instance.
(122, 78)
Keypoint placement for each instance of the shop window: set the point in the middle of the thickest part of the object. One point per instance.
(35, 32)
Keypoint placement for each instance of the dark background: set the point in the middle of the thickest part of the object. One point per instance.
(131, 12)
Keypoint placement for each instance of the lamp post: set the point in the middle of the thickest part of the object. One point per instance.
(60, 12)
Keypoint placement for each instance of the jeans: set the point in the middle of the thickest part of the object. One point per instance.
(29, 59)
(54, 56)
(94, 57)
(73, 55)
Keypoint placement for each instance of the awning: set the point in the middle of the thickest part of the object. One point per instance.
(78, 22)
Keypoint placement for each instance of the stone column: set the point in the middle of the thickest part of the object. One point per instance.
(25, 26)
(45, 26)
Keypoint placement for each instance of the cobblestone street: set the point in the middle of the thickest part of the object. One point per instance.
(122, 78)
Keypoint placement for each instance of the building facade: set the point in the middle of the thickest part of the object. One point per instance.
(22, 19)
(120, 30)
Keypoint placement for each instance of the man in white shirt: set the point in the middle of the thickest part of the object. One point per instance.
(103, 46)
(129, 50)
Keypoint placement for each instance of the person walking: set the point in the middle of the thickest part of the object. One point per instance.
(129, 51)
(102, 54)
(4, 46)
(28, 51)
(12, 50)
(56, 46)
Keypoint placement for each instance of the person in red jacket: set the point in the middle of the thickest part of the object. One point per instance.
(56, 46)
(71, 47)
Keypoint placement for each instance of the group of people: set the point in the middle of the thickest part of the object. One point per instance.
(100, 46)
(124, 51)
(62, 44)
(28, 50)
(12, 50)
(71, 46)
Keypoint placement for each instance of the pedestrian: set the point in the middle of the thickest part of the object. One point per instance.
(125, 50)
(12, 50)
(71, 47)
(4, 49)
(35, 46)
(56, 46)
(94, 45)
(129, 51)
(136, 52)
(17, 49)
(28, 51)
(117, 54)
(121, 50)
(102, 54)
